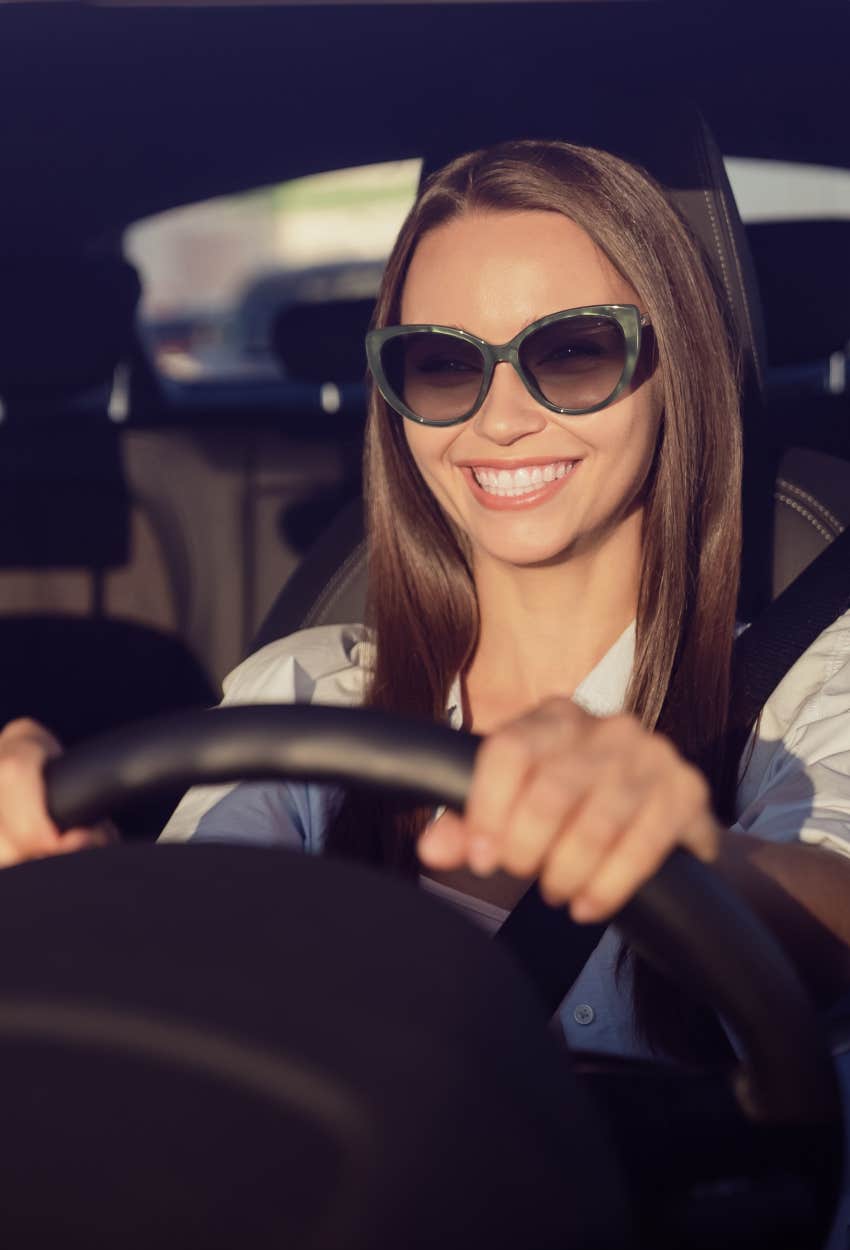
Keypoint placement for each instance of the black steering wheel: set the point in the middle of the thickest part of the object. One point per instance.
(685, 919)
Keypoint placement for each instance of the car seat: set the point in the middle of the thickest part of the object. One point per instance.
(65, 323)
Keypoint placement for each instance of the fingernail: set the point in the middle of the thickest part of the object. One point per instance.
(428, 840)
(482, 855)
(583, 910)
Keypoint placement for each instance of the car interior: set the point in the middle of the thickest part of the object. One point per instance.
(158, 529)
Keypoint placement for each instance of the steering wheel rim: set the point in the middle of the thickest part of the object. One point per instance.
(786, 1074)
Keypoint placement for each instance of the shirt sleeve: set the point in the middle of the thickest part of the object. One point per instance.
(278, 814)
(323, 665)
(797, 782)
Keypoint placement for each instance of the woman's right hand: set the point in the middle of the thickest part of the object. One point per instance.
(26, 830)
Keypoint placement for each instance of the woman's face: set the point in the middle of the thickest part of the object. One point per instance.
(492, 273)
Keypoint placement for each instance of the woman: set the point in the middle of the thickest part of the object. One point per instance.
(554, 557)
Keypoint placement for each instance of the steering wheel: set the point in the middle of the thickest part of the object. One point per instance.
(685, 920)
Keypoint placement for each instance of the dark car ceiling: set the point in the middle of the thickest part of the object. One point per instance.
(112, 113)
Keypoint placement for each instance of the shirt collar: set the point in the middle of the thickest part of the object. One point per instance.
(602, 692)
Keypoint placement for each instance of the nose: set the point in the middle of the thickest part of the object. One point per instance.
(508, 412)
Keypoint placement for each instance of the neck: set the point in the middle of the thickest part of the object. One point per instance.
(543, 628)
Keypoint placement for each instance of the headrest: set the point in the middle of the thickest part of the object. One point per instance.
(696, 178)
(323, 342)
(64, 498)
(803, 269)
(672, 141)
(271, 294)
(65, 322)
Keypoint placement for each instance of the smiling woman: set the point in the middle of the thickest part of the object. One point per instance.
(525, 594)
(602, 450)
(578, 621)
(497, 241)
(553, 476)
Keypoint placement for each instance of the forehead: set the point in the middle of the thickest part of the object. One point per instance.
(494, 272)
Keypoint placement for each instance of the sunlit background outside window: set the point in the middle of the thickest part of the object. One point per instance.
(782, 191)
(214, 274)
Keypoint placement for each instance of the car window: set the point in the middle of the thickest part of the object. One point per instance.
(216, 274)
(797, 218)
(788, 191)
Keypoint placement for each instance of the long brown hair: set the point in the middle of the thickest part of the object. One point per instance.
(421, 601)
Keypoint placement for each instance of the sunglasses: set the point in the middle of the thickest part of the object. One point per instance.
(572, 362)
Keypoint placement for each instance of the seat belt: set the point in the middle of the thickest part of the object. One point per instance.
(551, 950)
(768, 648)
(549, 947)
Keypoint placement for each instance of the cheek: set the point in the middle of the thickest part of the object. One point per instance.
(639, 430)
(428, 447)
(628, 449)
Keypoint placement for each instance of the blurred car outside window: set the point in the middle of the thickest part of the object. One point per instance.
(797, 218)
(216, 274)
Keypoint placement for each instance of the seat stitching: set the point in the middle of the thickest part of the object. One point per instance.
(332, 586)
(796, 507)
(707, 175)
(715, 230)
(742, 285)
(825, 513)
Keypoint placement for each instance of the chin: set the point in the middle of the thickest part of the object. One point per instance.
(528, 554)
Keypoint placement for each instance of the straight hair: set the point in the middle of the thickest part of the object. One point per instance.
(421, 605)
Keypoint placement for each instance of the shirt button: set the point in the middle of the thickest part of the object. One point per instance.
(584, 1014)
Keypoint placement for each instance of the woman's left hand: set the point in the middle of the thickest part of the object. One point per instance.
(592, 806)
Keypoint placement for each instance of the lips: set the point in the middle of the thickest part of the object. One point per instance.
(521, 486)
(513, 482)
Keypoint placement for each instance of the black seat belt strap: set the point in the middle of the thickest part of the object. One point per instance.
(550, 950)
(769, 648)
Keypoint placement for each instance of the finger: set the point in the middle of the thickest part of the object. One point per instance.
(702, 837)
(63, 844)
(503, 765)
(553, 794)
(26, 729)
(638, 854)
(11, 853)
(590, 834)
(23, 810)
(81, 840)
(443, 842)
(637, 857)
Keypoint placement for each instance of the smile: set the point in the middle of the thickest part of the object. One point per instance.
(522, 487)
(509, 483)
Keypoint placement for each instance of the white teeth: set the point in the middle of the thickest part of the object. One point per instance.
(519, 481)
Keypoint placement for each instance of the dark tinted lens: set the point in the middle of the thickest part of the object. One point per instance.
(577, 362)
(437, 375)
